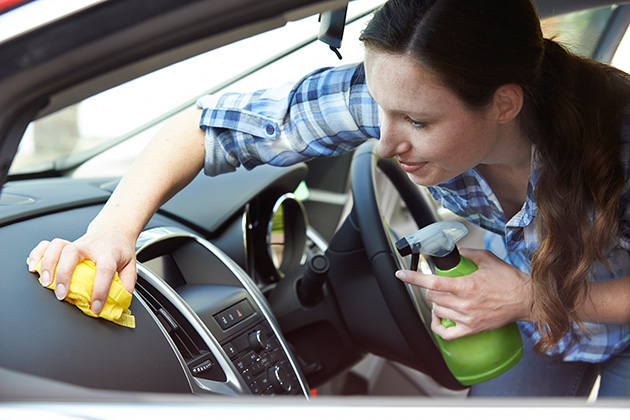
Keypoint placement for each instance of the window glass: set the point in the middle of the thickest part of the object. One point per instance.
(578, 31)
(621, 59)
(134, 110)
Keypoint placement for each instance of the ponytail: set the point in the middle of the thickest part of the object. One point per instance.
(578, 109)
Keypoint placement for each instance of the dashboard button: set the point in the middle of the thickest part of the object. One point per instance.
(255, 388)
(247, 376)
(230, 350)
(234, 314)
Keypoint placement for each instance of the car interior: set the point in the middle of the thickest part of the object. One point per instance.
(276, 281)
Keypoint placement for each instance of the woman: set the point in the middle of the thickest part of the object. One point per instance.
(541, 127)
(507, 129)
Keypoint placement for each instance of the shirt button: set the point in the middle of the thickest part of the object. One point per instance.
(269, 129)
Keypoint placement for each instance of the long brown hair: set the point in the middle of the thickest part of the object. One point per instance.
(572, 113)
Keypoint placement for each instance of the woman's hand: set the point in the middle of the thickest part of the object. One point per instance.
(172, 159)
(494, 295)
(111, 252)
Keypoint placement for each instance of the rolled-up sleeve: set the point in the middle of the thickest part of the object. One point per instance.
(326, 113)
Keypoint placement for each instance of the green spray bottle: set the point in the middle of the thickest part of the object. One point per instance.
(474, 358)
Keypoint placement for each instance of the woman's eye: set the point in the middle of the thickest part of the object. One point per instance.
(415, 123)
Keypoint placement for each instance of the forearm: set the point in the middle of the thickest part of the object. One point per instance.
(171, 160)
(607, 302)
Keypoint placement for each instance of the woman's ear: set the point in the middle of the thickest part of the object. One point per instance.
(508, 102)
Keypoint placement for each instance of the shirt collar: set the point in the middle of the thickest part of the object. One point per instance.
(470, 196)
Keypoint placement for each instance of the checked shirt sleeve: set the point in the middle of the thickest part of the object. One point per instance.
(327, 113)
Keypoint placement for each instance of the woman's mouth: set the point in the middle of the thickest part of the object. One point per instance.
(410, 167)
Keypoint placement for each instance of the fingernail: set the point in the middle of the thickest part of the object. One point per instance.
(60, 291)
(31, 265)
(96, 307)
(401, 274)
(45, 279)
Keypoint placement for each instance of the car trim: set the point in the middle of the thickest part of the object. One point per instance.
(148, 275)
(152, 236)
(614, 32)
(28, 16)
(234, 385)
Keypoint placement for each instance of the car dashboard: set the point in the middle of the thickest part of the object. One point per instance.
(216, 317)
(203, 323)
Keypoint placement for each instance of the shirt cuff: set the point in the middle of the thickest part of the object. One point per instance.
(216, 161)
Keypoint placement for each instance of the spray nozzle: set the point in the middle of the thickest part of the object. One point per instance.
(437, 240)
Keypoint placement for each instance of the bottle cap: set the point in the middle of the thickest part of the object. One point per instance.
(437, 239)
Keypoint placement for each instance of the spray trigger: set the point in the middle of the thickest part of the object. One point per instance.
(437, 240)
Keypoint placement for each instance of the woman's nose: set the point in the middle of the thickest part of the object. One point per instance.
(392, 141)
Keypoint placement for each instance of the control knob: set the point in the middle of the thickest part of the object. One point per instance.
(280, 381)
(257, 341)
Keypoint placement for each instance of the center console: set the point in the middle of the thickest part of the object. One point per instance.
(214, 316)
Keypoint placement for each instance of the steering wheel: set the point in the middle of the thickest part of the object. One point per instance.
(395, 325)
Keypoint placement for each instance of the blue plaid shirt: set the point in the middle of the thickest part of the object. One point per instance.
(330, 112)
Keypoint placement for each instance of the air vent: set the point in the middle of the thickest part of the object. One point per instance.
(198, 357)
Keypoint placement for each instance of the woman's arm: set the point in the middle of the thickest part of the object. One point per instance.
(172, 159)
(497, 294)
(607, 302)
(327, 112)
(492, 296)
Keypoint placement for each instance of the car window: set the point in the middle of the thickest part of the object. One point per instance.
(135, 109)
(289, 68)
(621, 59)
(578, 31)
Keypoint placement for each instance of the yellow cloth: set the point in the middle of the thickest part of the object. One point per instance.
(116, 307)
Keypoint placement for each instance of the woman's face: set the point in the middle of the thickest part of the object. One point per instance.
(424, 125)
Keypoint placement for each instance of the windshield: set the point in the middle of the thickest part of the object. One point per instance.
(135, 110)
(115, 125)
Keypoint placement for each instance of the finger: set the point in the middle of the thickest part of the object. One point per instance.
(442, 312)
(429, 281)
(105, 270)
(128, 276)
(447, 332)
(36, 255)
(68, 260)
(49, 261)
(436, 325)
(443, 299)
